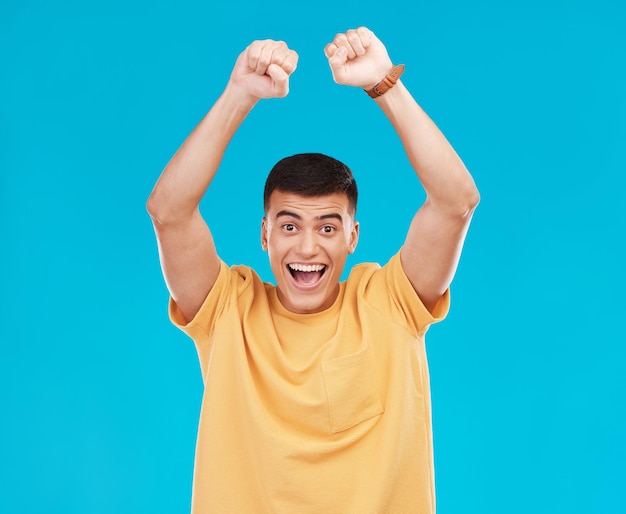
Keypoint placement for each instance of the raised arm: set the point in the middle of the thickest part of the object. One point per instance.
(188, 257)
(432, 248)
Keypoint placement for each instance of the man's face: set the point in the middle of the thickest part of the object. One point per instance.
(308, 240)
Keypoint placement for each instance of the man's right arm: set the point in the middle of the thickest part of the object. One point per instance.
(188, 257)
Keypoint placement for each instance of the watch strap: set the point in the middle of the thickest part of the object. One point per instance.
(387, 83)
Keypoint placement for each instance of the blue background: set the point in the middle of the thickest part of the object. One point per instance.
(100, 395)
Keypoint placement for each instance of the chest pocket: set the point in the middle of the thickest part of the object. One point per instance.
(351, 390)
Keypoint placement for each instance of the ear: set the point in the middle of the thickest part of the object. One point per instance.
(354, 237)
(264, 234)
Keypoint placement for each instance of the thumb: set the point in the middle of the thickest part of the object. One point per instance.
(280, 78)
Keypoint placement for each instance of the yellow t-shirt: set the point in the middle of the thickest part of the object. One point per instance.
(325, 413)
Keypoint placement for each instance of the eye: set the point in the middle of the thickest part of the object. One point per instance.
(328, 229)
(289, 227)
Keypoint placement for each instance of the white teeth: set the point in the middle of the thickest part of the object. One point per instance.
(307, 267)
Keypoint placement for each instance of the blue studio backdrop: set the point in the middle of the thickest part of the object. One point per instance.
(100, 395)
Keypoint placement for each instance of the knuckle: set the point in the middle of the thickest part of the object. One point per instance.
(252, 50)
(363, 32)
(291, 60)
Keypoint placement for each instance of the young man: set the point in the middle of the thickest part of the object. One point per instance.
(316, 392)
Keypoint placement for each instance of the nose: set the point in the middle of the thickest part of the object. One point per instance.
(308, 244)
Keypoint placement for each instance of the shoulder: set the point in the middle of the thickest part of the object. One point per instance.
(235, 285)
(388, 290)
(361, 273)
(243, 277)
(369, 276)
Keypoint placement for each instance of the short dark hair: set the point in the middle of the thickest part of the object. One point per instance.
(311, 174)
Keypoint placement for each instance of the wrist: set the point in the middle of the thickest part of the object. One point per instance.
(239, 96)
(387, 83)
(394, 97)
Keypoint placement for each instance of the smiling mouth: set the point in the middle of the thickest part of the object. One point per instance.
(306, 274)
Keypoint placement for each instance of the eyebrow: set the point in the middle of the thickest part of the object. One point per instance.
(332, 215)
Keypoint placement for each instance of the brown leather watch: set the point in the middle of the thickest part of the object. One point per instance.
(387, 83)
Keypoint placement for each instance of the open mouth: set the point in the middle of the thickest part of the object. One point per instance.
(307, 274)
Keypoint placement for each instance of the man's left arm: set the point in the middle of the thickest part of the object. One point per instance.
(431, 252)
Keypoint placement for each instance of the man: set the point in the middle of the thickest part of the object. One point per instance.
(316, 392)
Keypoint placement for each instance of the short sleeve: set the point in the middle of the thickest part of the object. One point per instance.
(200, 326)
(233, 288)
(390, 289)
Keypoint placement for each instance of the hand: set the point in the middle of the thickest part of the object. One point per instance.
(263, 69)
(358, 58)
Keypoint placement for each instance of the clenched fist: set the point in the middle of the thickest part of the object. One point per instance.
(263, 69)
(358, 58)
